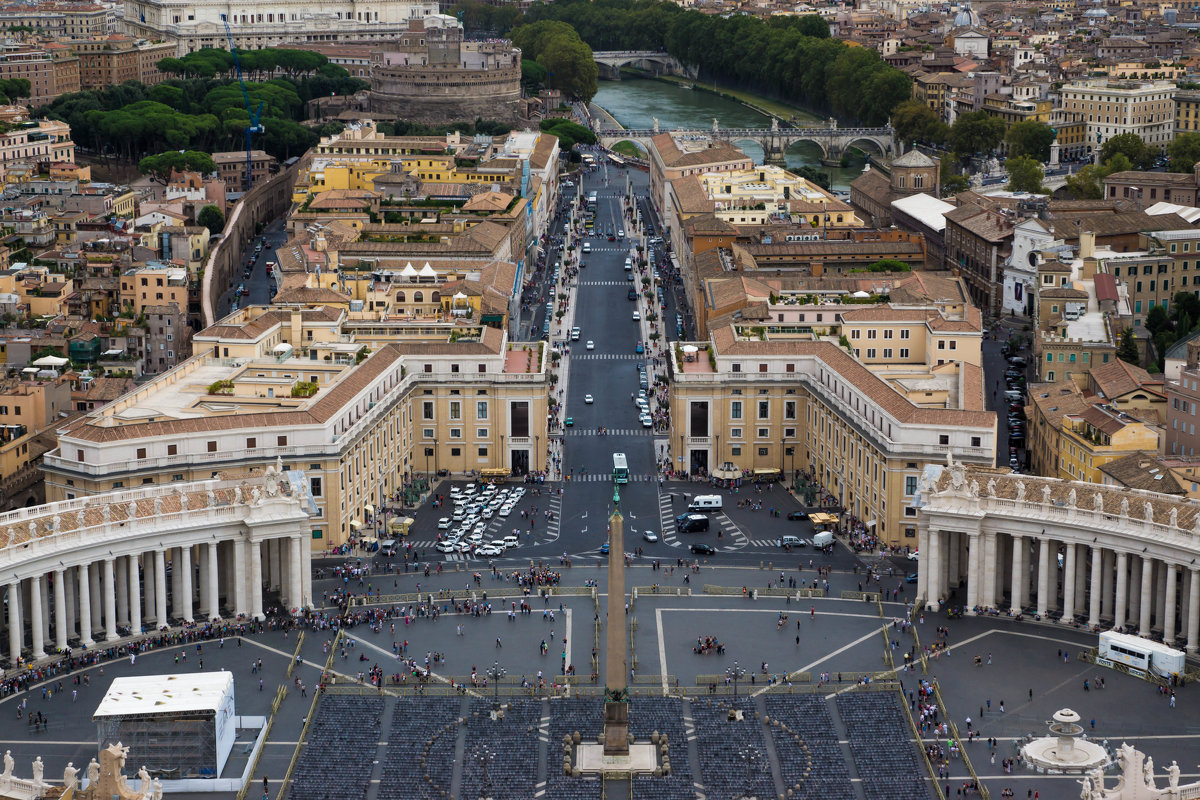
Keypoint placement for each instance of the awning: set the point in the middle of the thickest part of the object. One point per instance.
(52, 361)
(355, 524)
(427, 271)
(871, 523)
(408, 271)
(370, 508)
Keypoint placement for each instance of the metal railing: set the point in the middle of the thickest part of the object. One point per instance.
(937, 694)
(308, 719)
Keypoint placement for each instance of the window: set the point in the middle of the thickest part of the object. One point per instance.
(976, 441)
(762, 367)
(735, 409)
(943, 439)
(483, 452)
(455, 409)
(429, 367)
(697, 420)
(904, 352)
(736, 451)
(212, 448)
(141, 452)
(427, 433)
(251, 443)
(789, 409)
(455, 451)
(172, 449)
(735, 433)
(314, 487)
(910, 484)
(281, 441)
(764, 433)
(764, 451)
(427, 409)
(481, 433)
(456, 433)
(518, 418)
(481, 409)
(764, 409)
(870, 352)
(736, 367)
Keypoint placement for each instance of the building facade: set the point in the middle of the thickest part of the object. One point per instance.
(1112, 108)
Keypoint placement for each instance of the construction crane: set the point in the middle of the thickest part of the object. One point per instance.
(255, 114)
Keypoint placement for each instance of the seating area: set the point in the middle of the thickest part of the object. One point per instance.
(501, 756)
(733, 755)
(349, 726)
(566, 717)
(421, 742)
(891, 771)
(665, 715)
(811, 762)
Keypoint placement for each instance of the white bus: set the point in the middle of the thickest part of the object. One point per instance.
(1139, 653)
(620, 473)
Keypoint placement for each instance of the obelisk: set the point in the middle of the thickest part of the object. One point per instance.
(616, 691)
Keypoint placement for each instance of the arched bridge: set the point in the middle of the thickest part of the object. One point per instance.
(611, 61)
(775, 141)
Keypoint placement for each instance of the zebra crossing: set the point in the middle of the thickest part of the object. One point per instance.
(666, 519)
(598, 477)
(606, 283)
(586, 356)
(731, 529)
(609, 432)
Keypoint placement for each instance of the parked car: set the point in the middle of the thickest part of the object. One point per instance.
(702, 549)
(797, 515)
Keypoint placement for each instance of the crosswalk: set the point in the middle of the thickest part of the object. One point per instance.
(606, 283)
(597, 477)
(731, 529)
(586, 356)
(609, 432)
(666, 518)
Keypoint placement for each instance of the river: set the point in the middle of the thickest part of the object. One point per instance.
(636, 102)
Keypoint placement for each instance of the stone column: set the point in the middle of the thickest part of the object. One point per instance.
(954, 552)
(974, 581)
(1107, 570)
(122, 566)
(160, 588)
(1160, 593)
(1043, 598)
(305, 572)
(934, 598)
(1020, 581)
(96, 579)
(1094, 590)
(1169, 609)
(256, 580)
(110, 601)
(1122, 598)
(923, 562)
(1135, 590)
(1193, 627)
(85, 605)
(1068, 616)
(214, 597)
(60, 611)
(72, 591)
(149, 588)
(176, 580)
(135, 598)
(990, 569)
(16, 624)
(183, 600)
(44, 589)
(295, 581)
(241, 597)
(275, 564)
(1145, 607)
(36, 617)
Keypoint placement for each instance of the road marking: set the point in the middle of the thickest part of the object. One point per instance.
(662, 650)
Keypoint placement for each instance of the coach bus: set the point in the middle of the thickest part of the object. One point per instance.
(1139, 653)
(620, 468)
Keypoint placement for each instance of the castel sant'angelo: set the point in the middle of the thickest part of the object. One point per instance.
(430, 74)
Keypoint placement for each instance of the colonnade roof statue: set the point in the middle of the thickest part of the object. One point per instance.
(1136, 781)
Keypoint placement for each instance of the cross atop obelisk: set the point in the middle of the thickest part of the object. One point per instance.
(616, 691)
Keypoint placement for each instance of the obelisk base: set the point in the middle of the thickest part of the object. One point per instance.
(616, 729)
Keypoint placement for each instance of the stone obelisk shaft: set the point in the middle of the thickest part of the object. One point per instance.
(616, 707)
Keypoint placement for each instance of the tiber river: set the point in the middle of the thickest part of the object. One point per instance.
(636, 102)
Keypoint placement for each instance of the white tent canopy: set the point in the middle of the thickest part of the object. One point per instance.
(408, 271)
(427, 271)
(52, 361)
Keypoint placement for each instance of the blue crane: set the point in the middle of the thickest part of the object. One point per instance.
(255, 114)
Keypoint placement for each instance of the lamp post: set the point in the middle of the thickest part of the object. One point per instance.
(503, 453)
(435, 459)
(734, 673)
(495, 674)
(537, 448)
(753, 759)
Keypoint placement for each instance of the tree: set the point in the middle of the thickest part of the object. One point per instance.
(914, 121)
(814, 26)
(533, 76)
(162, 165)
(1132, 147)
(212, 218)
(1157, 319)
(569, 133)
(1184, 152)
(889, 265)
(1185, 304)
(1025, 174)
(1030, 138)
(976, 132)
(1088, 182)
(1127, 349)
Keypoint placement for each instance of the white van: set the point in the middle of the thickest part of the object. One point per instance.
(1013, 395)
(705, 502)
(822, 539)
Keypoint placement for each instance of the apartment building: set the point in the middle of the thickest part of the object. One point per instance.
(1183, 407)
(57, 20)
(33, 141)
(773, 397)
(1098, 435)
(231, 168)
(113, 59)
(1187, 112)
(50, 73)
(1112, 107)
(672, 157)
(362, 409)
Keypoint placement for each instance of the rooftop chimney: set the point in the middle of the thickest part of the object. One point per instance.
(1087, 244)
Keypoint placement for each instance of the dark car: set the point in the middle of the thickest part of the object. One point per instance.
(912, 578)
(703, 549)
(633, 294)
(797, 515)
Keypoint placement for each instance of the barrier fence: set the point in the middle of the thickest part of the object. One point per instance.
(312, 710)
(937, 694)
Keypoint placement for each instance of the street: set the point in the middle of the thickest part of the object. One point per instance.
(260, 285)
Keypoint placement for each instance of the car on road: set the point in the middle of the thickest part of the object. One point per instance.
(641, 348)
(511, 541)
(646, 420)
(637, 317)
(574, 334)
(590, 345)
(587, 247)
(488, 550)
(588, 399)
(604, 549)
(444, 523)
(797, 515)
(446, 546)
(632, 294)
(911, 578)
(702, 549)
(650, 536)
(790, 541)
(569, 422)
(629, 277)
(913, 556)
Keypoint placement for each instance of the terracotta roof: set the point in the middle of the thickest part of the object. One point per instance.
(1118, 378)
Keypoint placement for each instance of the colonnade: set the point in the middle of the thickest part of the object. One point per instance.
(101, 600)
(1093, 584)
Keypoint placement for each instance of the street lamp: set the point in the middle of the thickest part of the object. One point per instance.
(435, 459)
(537, 448)
(495, 674)
(734, 673)
(752, 757)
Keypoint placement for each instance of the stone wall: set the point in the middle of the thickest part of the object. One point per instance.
(439, 95)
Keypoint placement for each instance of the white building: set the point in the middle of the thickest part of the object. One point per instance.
(1111, 108)
(1031, 239)
(196, 24)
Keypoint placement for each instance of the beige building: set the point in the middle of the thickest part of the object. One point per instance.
(772, 397)
(1111, 108)
(361, 408)
(37, 140)
(672, 158)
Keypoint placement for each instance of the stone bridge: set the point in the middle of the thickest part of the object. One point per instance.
(611, 61)
(775, 141)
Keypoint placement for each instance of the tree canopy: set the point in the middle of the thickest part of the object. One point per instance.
(161, 165)
(913, 121)
(1184, 152)
(1030, 138)
(567, 59)
(1132, 147)
(1088, 182)
(1025, 174)
(212, 218)
(976, 132)
(569, 133)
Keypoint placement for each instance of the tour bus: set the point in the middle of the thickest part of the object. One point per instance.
(620, 473)
(1139, 653)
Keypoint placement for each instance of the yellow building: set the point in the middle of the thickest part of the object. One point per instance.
(1098, 435)
(758, 195)
(362, 408)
